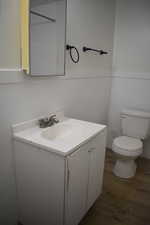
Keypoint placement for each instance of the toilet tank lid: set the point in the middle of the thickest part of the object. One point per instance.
(136, 113)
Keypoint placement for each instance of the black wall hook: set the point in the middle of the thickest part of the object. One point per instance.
(101, 52)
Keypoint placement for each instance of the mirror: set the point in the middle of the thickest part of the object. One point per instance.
(47, 34)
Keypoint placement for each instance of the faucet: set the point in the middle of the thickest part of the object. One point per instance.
(48, 122)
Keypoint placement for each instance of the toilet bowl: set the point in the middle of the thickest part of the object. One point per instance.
(135, 128)
(127, 149)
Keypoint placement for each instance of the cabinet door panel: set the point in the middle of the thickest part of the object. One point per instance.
(96, 168)
(40, 185)
(77, 185)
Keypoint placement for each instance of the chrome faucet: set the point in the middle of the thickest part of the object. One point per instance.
(48, 122)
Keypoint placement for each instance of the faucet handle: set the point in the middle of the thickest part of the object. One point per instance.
(53, 117)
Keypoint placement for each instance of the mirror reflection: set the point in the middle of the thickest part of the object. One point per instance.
(47, 37)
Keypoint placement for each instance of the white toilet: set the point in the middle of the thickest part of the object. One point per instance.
(135, 128)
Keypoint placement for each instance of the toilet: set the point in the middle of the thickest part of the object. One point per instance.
(135, 128)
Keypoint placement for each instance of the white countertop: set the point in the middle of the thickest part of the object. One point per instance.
(31, 133)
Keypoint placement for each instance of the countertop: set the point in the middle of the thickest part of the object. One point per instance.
(83, 131)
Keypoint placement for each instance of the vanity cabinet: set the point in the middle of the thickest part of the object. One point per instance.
(56, 190)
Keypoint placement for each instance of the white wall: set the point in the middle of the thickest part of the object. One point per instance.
(25, 98)
(131, 82)
(132, 36)
(91, 24)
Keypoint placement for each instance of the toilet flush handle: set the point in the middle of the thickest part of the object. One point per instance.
(91, 149)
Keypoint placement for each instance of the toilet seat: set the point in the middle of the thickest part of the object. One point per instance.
(127, 146)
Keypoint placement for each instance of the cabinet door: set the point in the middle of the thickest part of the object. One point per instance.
(77, 185)
(96, 168)
(40, 185)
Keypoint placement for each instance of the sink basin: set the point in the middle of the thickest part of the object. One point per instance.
(62, 138)
(57, 131)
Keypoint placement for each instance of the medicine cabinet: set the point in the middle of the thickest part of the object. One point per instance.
(43, 35)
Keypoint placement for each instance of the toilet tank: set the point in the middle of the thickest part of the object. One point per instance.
(135, 123)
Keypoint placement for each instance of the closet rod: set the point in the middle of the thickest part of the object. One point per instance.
(43, 16)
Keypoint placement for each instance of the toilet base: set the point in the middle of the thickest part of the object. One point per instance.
(125, 168)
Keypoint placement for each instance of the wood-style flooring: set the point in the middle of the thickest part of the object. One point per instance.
(123, 201)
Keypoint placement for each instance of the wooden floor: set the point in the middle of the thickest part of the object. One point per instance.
(123, 202)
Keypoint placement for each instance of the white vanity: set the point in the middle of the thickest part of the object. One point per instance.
(59, 170)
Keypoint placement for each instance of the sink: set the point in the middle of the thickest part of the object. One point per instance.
(62, 138)
(57, 131)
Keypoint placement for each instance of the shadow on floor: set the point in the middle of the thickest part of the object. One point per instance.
(123, 201)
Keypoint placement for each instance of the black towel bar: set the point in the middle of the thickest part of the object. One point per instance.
(101, 52)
